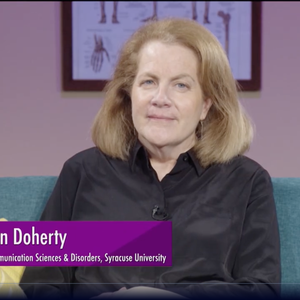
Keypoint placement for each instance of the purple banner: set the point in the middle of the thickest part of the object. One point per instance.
(86, 243)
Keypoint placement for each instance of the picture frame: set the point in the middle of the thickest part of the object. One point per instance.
(90, 42)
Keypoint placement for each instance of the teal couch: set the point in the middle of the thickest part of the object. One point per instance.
(23, 199)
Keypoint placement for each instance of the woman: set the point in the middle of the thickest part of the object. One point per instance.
(170, 138)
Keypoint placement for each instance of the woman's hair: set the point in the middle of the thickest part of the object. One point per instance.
(226, 131)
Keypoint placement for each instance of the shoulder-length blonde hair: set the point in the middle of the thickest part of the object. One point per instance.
(226, 131)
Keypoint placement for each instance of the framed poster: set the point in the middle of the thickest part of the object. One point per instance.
(94, 31)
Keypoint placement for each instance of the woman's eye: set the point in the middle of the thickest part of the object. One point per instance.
(148, 82)
(181, 85)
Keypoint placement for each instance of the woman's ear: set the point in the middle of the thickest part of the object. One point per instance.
(205, 108)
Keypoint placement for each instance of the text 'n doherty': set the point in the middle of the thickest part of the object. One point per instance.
(34, 238)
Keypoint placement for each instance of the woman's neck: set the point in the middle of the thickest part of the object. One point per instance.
(162, 168)
(163, 159)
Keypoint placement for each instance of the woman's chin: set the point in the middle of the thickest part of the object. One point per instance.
(157, 141)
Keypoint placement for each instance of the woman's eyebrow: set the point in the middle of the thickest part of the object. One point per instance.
(179, 76)
(183, 75)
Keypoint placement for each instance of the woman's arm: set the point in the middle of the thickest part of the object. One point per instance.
(257, 270)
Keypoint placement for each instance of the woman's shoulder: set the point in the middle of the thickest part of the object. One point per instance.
(246, 166)
(83, 159)
(84, 155)
(245, 171)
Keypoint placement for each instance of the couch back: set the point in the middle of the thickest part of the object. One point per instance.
(23, 199)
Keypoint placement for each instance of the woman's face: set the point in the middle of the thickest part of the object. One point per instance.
(167, 101)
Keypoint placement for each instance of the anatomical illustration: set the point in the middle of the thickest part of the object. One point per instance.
(226, 20)
(114, 18)
(98, 54)
(100, 29)
(154, 15)
(206, 12)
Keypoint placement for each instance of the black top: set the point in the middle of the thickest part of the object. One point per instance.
(223, 217)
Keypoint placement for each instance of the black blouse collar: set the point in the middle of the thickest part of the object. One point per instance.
(138, 150)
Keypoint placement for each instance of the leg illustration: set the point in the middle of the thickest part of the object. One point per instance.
(226, 19)
(102, 11)
(206, 13)
(194, 10)
(115, 13)
(154, 15)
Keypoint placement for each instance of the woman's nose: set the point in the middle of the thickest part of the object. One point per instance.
(161, 97)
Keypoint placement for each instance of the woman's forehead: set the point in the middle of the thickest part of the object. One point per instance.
(171, 56)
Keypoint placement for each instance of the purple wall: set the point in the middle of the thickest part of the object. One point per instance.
(40, 126)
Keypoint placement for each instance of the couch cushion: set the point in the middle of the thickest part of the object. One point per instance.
(23, 198)
(287, 199)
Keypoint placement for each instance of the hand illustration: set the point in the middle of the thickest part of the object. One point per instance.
(97, 56)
